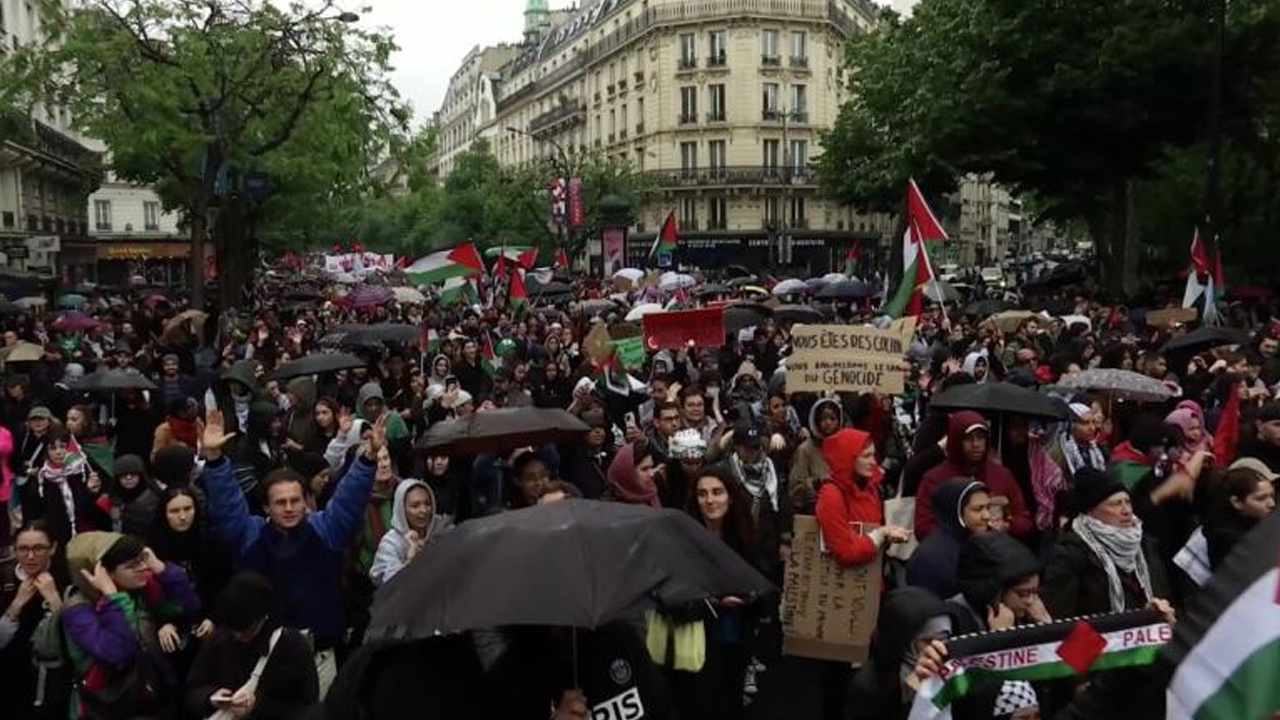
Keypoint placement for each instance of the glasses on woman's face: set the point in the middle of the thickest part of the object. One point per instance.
(32, 550)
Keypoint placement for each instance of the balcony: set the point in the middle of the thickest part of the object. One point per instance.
(800, 117)
(718, 60)
(688, 118)
(610, 89)
(770, 60)
(771, 115)
(687, 63)
(622, 134)
(639, 129)
(612, 138)
(716, 117)
(623, 88)
(558, 118)
(733, 176)
(800, 61)
(717, 223)
(639, 78)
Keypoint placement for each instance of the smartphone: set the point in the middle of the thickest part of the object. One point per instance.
(450, 383)
(631, 419)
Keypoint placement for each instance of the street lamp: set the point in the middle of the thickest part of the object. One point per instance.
(562, 168)
(347, 17)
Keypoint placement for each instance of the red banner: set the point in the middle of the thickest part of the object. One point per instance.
(576, 211)
(681, 328)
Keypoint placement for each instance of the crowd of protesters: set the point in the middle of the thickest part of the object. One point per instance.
(211, 548)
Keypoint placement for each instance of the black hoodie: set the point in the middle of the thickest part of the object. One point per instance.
(876, 692)
(989, 563)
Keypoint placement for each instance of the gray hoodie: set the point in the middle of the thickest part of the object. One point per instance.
(393, 548)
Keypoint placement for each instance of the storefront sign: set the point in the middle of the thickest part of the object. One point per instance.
(142, 251)
(681, 328)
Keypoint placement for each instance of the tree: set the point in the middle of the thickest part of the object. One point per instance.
(1075, 103)
(207, 98)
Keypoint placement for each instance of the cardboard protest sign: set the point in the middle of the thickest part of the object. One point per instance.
(596, 345)
(828, 610)
(848, 358)
(1169, 317)
(676, 329)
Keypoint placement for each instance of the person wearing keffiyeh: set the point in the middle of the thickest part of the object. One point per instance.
(1017, 700)
(1079, 447)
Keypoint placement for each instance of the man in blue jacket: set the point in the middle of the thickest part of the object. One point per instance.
(300, 553)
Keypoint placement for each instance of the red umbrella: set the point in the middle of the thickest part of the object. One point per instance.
(154, 299)
(74, 322)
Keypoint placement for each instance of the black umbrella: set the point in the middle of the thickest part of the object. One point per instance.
(736, 271)
(501, 431)
(743, 315)
(846, 290)
(1000, 397)
(113, 379)
(1203, 339)
(711, 289)
(743, 281)
(319, 363)
(798, 314)
(7, 307)
(573, 563)
(986, 308)
(552, 288)
(372, 334)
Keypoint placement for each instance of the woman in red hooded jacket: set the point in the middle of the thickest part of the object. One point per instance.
(850, 496)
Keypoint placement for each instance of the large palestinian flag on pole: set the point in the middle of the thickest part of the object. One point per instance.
(1037, 653)
(461, 261)
(1226, 650)
(922, 227)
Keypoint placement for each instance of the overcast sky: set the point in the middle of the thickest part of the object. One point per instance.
(435, 36)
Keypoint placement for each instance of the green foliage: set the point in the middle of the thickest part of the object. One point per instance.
(1070, 102)
(180, 90)
(492, 205)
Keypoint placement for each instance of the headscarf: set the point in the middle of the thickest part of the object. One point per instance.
(1183, 416)
(624, 481)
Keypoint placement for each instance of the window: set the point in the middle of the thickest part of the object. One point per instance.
(9, 219)
(716, 99)
(639, 116)
(769, 47)
(717, 213)
(798, 218)
(613, 127)
(688, 158)
(771, 153)
(622, 71)
(151, 215)
(688, 104)
(102, 214)
(716, 155)
(800, 48)
(688, 51)
(769, 101)
(799, 103)
(623, 127)
(772, 210)
(799, 154)
(688, 213)
(718, 55)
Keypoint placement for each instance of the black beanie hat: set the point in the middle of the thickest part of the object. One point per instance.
(172, 465)
(308, 464)
(1090, 487)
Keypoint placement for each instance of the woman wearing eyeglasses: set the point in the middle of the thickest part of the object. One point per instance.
(30, 649)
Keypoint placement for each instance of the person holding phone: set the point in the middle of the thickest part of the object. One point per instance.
(226, 680)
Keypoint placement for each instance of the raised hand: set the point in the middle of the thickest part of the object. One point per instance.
(100, 580)
(377, 438)
(215, 435)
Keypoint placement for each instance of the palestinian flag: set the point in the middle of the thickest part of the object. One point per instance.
(461, 261)
(922, 227)
(664, 245)
(851, 262)
(1226, 647)
(429, 343)
(517, 295)
(1128, 465)
(459, 290)
(488, 358)
(1037, 653)
(522, 255)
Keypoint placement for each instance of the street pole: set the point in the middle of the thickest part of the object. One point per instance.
(1213, 173)
(563, 168)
